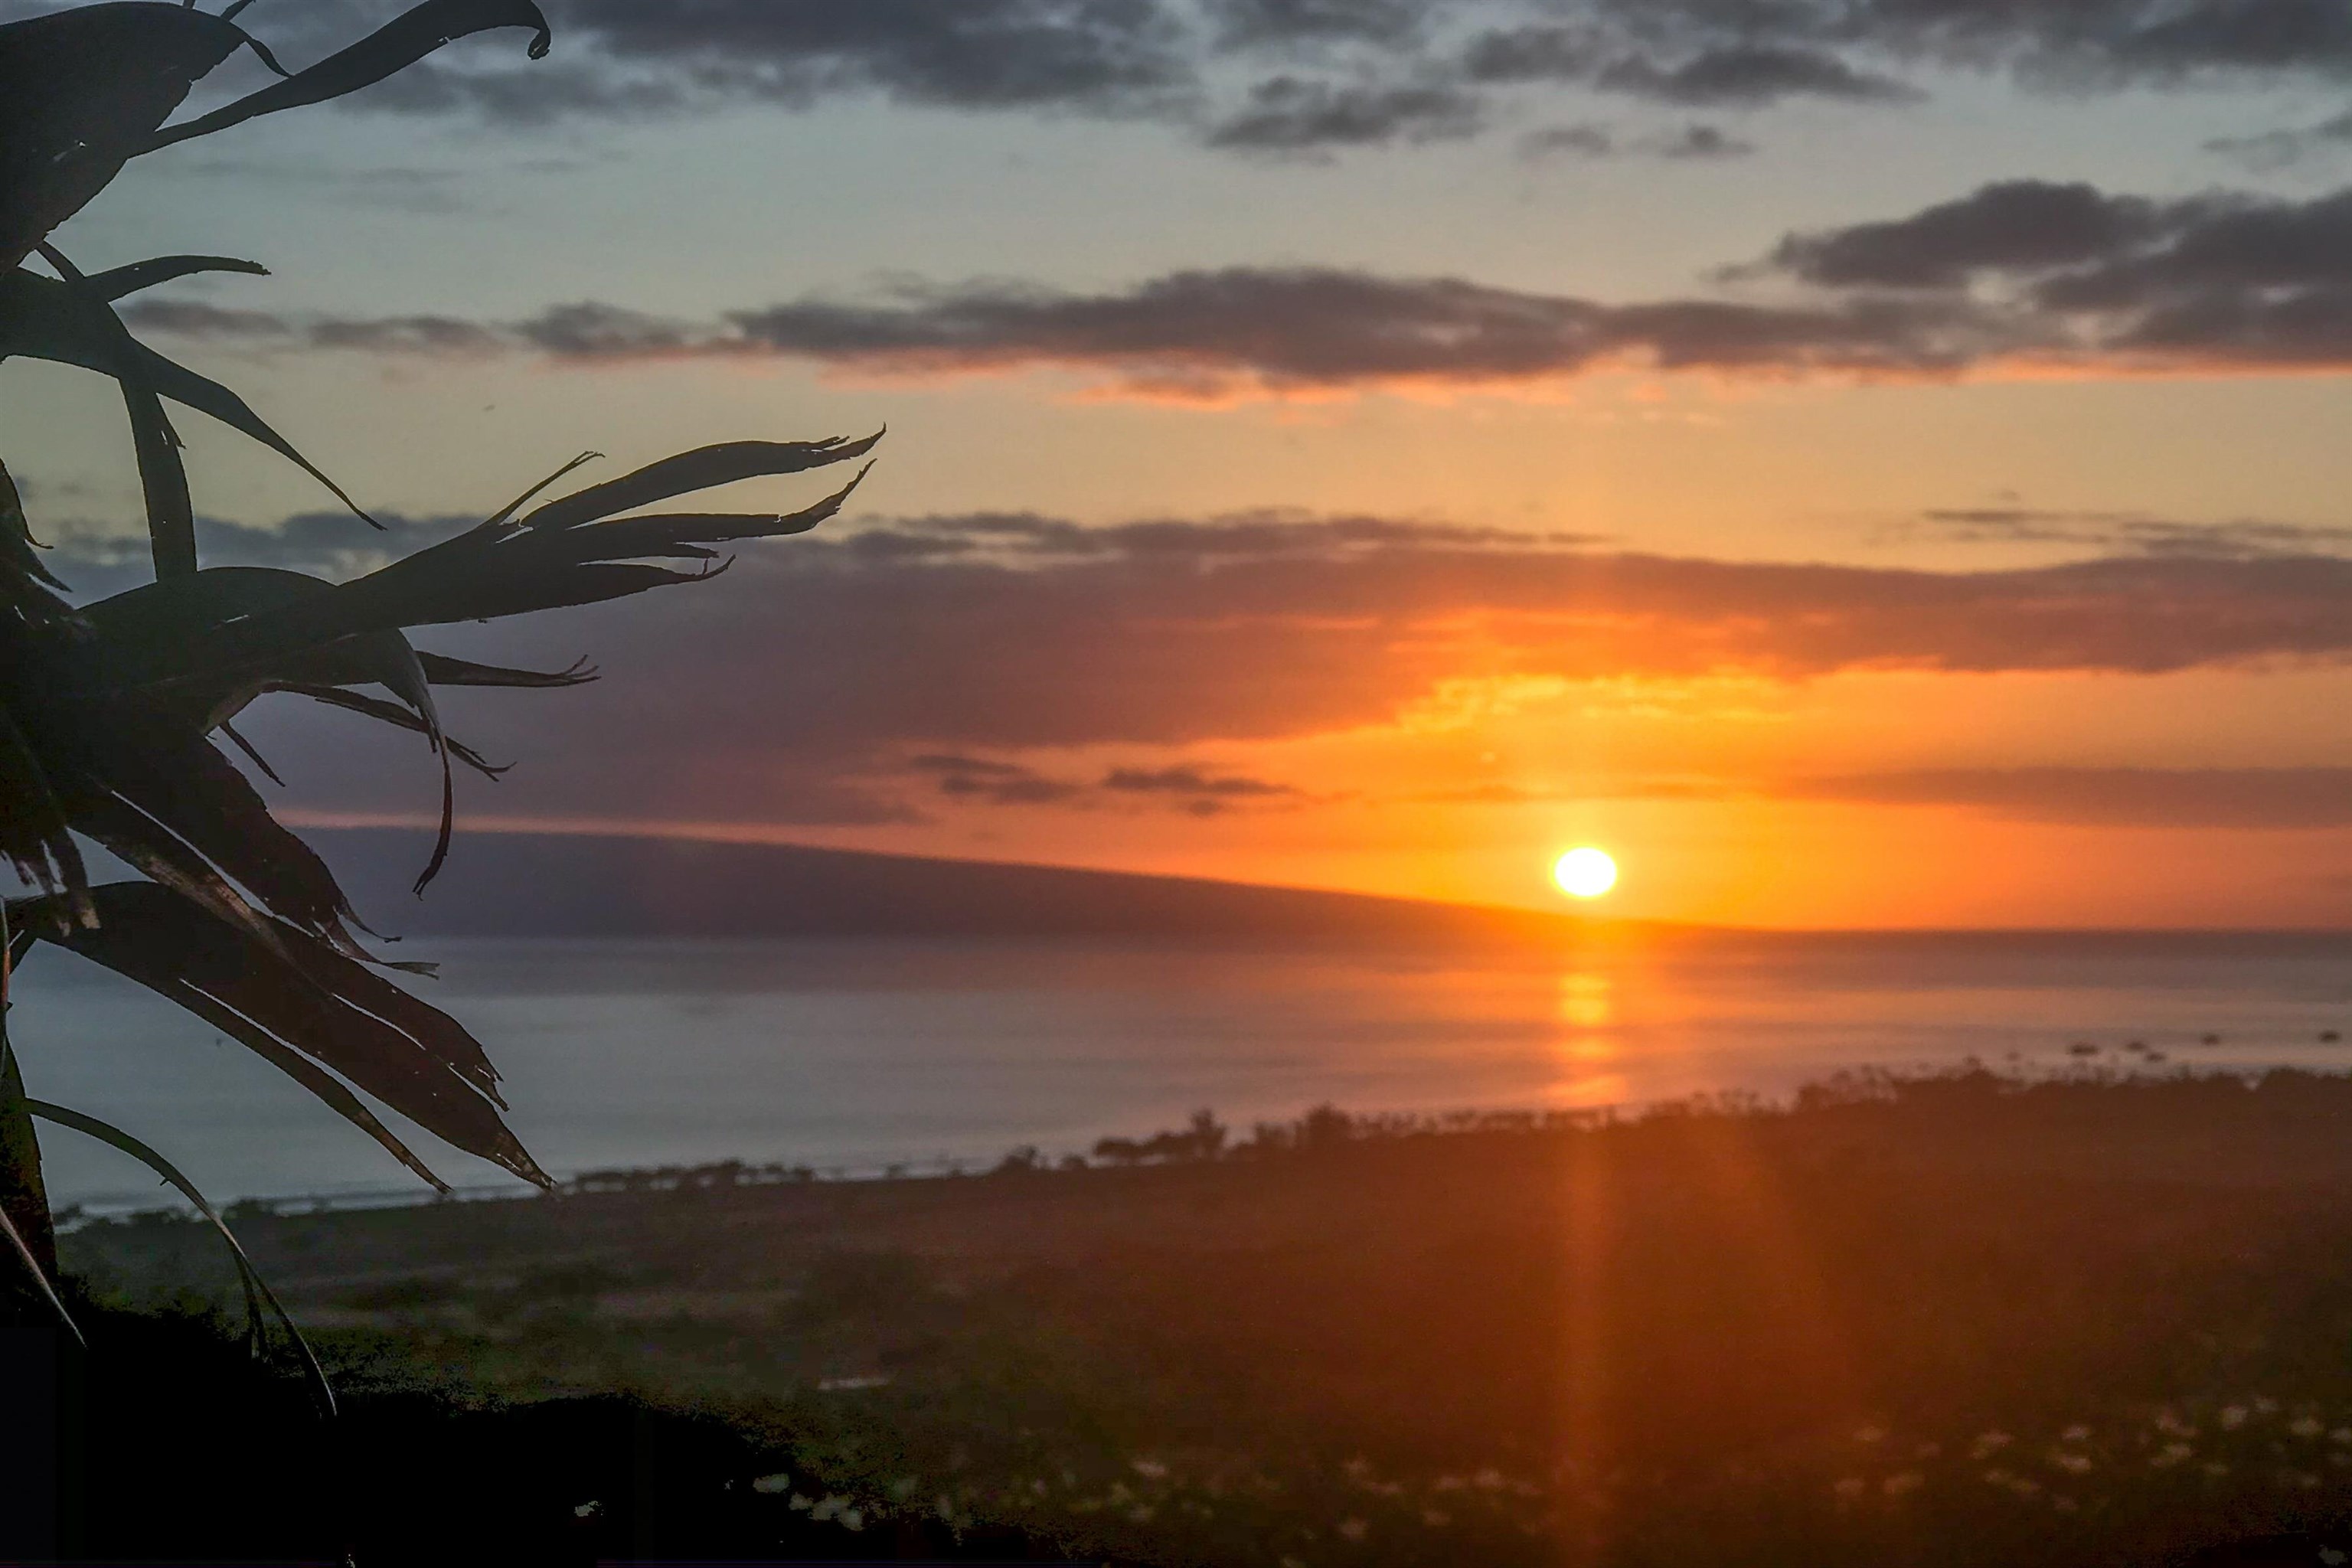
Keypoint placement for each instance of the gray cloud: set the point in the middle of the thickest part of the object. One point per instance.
(994, 782)
(2224, 278)
(1697, 144)
(1244, 25)
(2016, 225)
(806, 678)
(1244, 330)
(1287, 114)
(2273, 150)
(1689, 144)
(1751, 76)
(420, 334)
(1199, 793)
(967, 54)
(1194, 335)
(2251, 798)
(1746, 75)
(594, 331)
(1191, 63)
(2016, 273)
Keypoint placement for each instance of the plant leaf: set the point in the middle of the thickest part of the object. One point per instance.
(443, 670)
(28, 582)
(117, 282)
(51, 318)
(392, 713)
(699, 469)
(256, 1289)
(513, 569)
(80, 92)
(394, 47)
(163, 476)
(301, 996)
(33, 825)
(252, 754)
(32, 1267)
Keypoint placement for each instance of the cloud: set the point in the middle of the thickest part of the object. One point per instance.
(1705, 143)
(2015, 226)
(1244, 25)
(962, 54)
(1287, 114)
(1199, 336)
(1244, 331)
(1193, 64)
(2273, 150)
(1751, 76)
(1731, 75)
(816, 678)
(2282, 799)
(1689, 144)
(2018, 277)
(1199, 793)
(446, 336)
(2111, 533)
(2227, 281)
(997, 782)
(2224, 280)
(1183, 787)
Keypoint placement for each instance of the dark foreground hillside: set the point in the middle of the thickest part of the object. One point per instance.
(1956, 1321)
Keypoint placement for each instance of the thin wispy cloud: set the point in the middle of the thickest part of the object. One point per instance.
(2251, 799)
(1193, 790)
(1691, 143)
(2124, 533)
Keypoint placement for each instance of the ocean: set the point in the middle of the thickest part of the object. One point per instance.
(856, 1055)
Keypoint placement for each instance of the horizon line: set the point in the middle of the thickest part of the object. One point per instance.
(770, 836)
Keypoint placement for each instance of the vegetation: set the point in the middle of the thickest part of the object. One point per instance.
(1943, 1322)
(112, 714)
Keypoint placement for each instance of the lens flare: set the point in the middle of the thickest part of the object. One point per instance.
(1584, 873)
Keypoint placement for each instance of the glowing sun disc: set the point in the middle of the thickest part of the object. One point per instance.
(1585, 873)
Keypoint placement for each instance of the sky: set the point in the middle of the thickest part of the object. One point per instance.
(1861, 462)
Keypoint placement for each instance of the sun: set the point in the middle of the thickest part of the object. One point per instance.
(1584, 873)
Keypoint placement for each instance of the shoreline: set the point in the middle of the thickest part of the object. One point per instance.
(1170, 1146)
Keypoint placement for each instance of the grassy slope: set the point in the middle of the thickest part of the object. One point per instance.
(1863, 1332)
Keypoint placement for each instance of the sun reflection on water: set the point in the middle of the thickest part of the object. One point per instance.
(1584, 997)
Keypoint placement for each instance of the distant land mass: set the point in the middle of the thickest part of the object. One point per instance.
(619, 885)
(579, 885)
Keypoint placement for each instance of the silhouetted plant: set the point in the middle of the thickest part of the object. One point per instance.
(109, 711)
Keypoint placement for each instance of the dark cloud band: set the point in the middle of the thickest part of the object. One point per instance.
(1293, 74)
(913, 665)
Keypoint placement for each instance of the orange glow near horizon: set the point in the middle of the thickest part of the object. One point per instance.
(1743, 800)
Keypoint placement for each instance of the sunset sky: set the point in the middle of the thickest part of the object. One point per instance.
(1863, 462)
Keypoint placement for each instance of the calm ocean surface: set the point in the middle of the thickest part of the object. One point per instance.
(858, 1054)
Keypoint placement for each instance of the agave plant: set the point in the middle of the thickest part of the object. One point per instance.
(113, 713)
